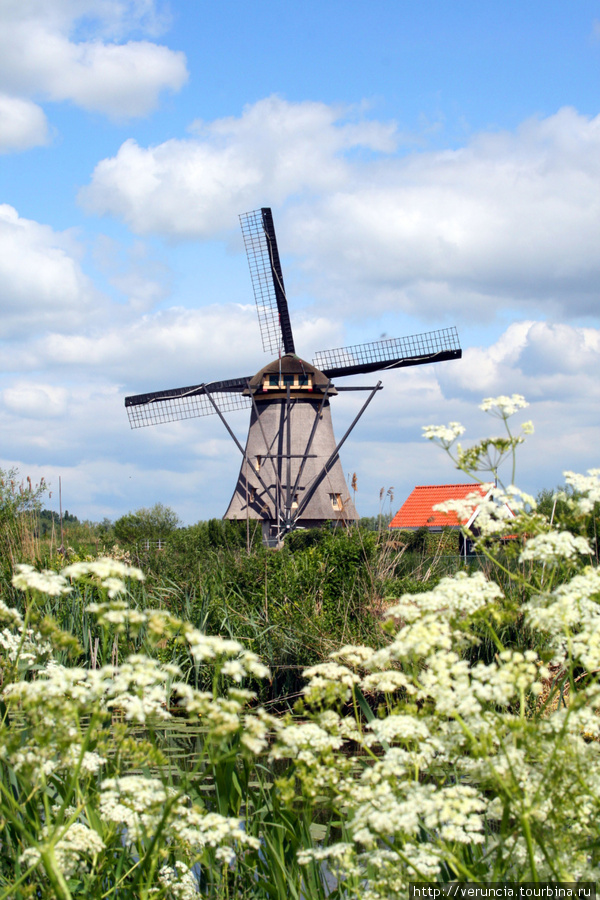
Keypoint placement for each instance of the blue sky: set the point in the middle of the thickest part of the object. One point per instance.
(427, 165)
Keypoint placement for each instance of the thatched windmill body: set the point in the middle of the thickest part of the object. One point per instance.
(291, 475)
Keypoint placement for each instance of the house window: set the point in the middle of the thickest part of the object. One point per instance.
(336, 501)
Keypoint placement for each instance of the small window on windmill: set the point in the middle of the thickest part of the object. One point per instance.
(336, 501)
(295, 502)
(302, 380)
(252, 495)
(273, 380)
(288, 379)
(258, 460)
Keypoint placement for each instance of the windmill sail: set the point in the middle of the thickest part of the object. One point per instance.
(394, 353)
(291, 475)
(186, 402)
(267, 281)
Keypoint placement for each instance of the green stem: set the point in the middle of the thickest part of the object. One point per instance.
(55, 876)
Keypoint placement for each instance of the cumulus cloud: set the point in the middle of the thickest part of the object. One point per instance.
(22, 124)
(166, 349)
(43, 53)
(196, 187)
(546, 362)
(508, 221)
(41, 281)
(38, 401)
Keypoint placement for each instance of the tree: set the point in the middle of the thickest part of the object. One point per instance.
(153, 524)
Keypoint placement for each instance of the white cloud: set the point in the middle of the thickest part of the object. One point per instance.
(509, 221)
(36, 401)
(41, 281)
(166, 349)
(546, 362)
(41, 55)
(198, 186)
(22, 124)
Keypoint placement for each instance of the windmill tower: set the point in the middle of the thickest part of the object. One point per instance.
(291, 475)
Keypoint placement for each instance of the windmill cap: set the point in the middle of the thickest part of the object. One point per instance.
(290, 364)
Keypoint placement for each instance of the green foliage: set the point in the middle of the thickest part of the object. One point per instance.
(153, 524)
(452, 735)
(20, 503)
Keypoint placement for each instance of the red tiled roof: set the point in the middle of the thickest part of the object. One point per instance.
(417, 511)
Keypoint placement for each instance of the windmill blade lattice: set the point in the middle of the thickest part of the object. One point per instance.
(394, 353)
(267, 281)
(186, 402)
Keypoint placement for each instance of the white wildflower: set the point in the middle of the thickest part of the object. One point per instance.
(586, 485)
(103, 568)
(90, 763)
(203, 829)
(48, 582)
(10, 616)
(515, 673)
(464, 507)
(79, 841)
(461, 594)
(494, 515)
(234, 669)
(404, 728)
(503, 406)
(71, 851)
(204, 646)
(553, 546)
(29, 858)
(114, 586)
(254, 666)
(304, 742)
(386, 682)
(357, 655)
(445, 434)
(516, 498)
(255, 734)
(329, 679)
(179, 881)
(117, 612)
(135, 802)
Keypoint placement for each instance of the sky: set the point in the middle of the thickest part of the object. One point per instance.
(428, 165)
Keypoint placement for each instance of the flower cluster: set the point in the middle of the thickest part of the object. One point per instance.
(504, 406)
(464, 745)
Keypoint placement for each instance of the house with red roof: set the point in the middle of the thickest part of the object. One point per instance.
(418, 510)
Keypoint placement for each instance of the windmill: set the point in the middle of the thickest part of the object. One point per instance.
(291, 475)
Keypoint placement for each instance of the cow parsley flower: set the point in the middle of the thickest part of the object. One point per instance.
(503, 406)
(179, 882)
(444, 434)
(103, 568)
(27, 578)
(586, 485)
(554, 545)
(400, 727)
